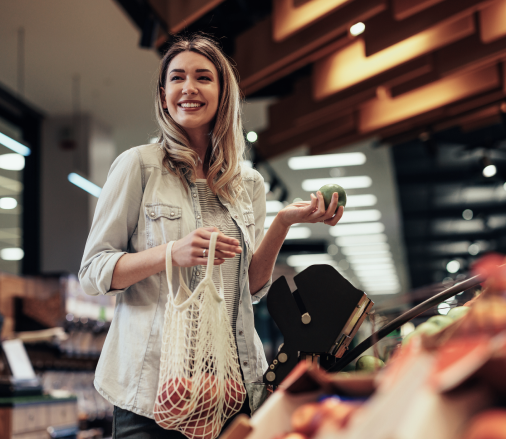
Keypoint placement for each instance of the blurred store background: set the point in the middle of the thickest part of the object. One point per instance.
(402, 102)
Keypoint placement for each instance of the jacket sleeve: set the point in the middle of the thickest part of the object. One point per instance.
(259, 210)
(114, 222)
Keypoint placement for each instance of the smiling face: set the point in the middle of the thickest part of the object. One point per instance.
(192, 90)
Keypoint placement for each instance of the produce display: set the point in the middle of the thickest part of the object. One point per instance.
(327, 192)
(446, 380)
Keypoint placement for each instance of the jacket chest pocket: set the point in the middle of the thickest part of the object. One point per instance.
(163, 223)
(249, 222)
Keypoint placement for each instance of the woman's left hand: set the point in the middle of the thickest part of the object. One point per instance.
(312, 211)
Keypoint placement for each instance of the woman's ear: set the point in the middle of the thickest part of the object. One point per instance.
(162, 97)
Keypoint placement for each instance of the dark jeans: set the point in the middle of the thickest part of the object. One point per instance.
(129, 425)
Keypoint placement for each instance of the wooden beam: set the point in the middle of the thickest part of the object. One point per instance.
(350, 66)
(383, 30)
(493, 21)
(405, 8)
(289, 18)
(382, 113)
(259, 57)
(179, 14)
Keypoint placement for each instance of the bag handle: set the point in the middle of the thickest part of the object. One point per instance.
(210, 263)
(168, 269)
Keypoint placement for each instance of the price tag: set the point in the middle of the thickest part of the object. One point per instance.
(19, 363)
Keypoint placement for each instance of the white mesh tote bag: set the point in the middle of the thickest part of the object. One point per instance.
(200, 384)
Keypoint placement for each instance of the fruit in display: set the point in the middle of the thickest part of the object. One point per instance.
(327, 192)
(441, 321)
(368, 363)
(490, 424)
(427, 328)
(458, 312)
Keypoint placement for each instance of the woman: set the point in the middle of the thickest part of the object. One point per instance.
(181, 189)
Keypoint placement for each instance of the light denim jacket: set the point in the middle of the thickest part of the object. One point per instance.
(141, 206)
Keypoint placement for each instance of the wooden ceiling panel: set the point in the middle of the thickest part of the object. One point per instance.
(383, 30)
(350, 66)
(405, 8)
(290, 18)
(493, 21)
(382, 113)
(259, 57)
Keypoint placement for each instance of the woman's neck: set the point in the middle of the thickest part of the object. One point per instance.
(199, 142)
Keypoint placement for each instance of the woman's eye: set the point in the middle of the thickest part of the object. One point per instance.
(176, 78)
(207, 78)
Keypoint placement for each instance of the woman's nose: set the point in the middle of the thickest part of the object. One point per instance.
(190, 88)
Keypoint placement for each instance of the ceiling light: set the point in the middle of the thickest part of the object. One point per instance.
(378, 276)
(369, 259)
(347, 241)
(360, 216)
(467, 214)
(12, 254)
(357, 229)
(383, 247)
(383, 292)
(489, 171)
(361, 200)
(8, 203)
(298, 260)
(443, 308)
(84, 184)
(453, 266)
(357, 29)
(388, 283)
(326, 161)
(252, 136)
(314, 184)
(274, 206)
(299, 233)
(303, 267)
(12, 162)
(473, 249)
(14, 145)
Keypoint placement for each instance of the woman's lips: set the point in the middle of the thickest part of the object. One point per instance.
(194, 106)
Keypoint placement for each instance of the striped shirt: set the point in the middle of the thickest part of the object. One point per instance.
(214, 214)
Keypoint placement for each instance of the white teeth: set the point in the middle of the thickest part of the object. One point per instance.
(190, 105)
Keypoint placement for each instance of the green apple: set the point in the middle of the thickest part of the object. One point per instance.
(368, 363)
(408, 337)
(441, 321)
(428, 328)
(458, 312)
(327, 192)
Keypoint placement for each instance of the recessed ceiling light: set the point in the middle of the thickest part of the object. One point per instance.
(12, 162)
(14, 145)
(473, 249)
(274, 206)
(453, 266)
(489, 171)
(348, 241)
(360, 216)
(12, 254)
(364, 200)
(357, 229)
(327, 161)
(299, 233)
(298, 260)
(8, 203)
(359, 267)
(371, 259)
(252, 136)
(467, 214)
(314, 184)
(357, 29)
(381, 247)
(84, 184)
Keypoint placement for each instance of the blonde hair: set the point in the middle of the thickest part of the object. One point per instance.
(227, 143)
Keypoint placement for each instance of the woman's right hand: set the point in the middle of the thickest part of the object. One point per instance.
(189, 251)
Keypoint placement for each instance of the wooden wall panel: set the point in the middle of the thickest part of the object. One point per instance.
(259, 57)
(405, 8)
(350, 66)
(383, 30)
(381, 113)
(493, 21)
(289, 18)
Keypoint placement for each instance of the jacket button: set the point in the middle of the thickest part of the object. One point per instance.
(172, 214)
(198, 273)
(198, 216)
(152, 214)
(194, 195)
(245, 363)
(236, 216)
(241, 333)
